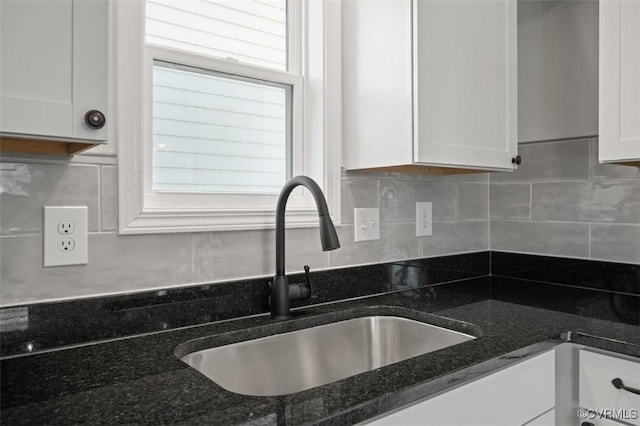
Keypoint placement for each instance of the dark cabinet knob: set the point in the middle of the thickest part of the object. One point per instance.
(94, 119)
(517, 160)
(587, 424)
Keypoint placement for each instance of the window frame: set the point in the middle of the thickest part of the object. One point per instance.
(316, 133)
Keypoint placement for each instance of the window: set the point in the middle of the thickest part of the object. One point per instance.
(219, 103)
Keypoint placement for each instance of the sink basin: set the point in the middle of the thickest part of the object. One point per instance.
(298, 360)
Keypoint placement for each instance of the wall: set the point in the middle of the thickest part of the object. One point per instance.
(141, 262)
(557, 69)
(563, 202)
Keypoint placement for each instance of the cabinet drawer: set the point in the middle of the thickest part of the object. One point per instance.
(598, 393)
(600, 422)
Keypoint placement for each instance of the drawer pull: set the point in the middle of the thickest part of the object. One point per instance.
(617, 382)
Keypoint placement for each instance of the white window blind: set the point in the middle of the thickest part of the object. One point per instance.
(250, 31)
(218, 133)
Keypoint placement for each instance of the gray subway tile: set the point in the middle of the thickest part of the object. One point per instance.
(116, 264)
(398, 199)
(397, 241)
(610, 171)
(358, 193)
(619, 243)
(550, 238)
(456, 237)
(109, 200)
(27, 188)
(241, 254)
(473, 200)
(562, 160)
(467, 177)
(600, 201)
(473, 177)
(510, 201)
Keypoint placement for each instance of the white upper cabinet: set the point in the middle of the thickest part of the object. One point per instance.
(430, 83)
(53, 68)
(557, 69)
(619, 90)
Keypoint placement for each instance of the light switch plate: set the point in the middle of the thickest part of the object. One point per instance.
(65, 235)
(366, 224)
(424, 218)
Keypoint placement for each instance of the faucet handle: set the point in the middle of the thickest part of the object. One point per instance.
(308, 277)
(303, 290)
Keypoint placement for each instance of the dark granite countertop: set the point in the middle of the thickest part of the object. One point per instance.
(139, 380)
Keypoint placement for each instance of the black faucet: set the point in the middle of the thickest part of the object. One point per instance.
(281, 294)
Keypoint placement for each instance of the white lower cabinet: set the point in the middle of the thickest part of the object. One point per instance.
(518, 395)
(580, 392)
(597, 392)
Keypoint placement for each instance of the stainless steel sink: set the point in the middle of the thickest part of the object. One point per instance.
(303, 359)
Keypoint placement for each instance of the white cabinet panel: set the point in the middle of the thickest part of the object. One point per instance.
(619, 93)
(36, 40)
(377, 89)
(53, 67)
(513, 396)
(36, 67)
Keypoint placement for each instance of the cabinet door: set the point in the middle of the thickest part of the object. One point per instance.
(619, 90)
(465, 83)
(513, 396)
(53, 67)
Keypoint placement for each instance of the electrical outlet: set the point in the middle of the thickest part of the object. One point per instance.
(66, 227)
(65, 235)
(66, 244)
(424, 217)
(367, 224)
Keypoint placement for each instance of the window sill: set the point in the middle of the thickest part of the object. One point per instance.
(171, 221)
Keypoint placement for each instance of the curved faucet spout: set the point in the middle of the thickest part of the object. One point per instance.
(280, 303)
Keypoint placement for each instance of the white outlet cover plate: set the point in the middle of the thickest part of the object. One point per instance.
(366, 224)
(53, 216)
(424, 220)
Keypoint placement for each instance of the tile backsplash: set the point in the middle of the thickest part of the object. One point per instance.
(561, 202)
(133, 263)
